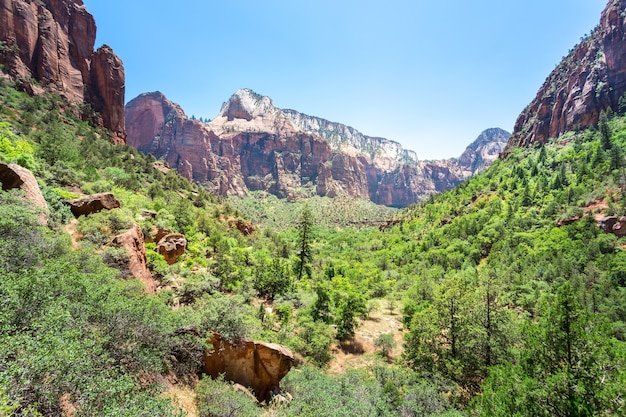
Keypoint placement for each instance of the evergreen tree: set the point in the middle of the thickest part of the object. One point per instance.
(305, 235)
(569, 367)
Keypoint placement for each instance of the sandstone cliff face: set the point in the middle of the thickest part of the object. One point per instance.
(52, 41)
(254, 146)
(589, 80)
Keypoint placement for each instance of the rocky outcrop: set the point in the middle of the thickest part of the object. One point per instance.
(106, 91)
(254, 146)
(613, 224)
(259, 366)
(481, 153)
(244, 227)
(619, 228)
(14, 176)
(137, 266)
(171, 246)
(94, 203)
(382, 152)
(589, 80)
(52, 42)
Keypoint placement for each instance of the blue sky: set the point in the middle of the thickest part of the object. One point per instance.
(429, 74)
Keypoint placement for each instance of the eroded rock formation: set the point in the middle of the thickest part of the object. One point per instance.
(171, 246)
(254, 146)
(259, 366)
(589, 80)
(94, 203)
(14, 176)
(52, 41)
(137, 266)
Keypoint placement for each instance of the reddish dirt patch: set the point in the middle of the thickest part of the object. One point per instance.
(597, 207)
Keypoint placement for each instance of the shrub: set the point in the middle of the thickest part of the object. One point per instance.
(385, 343)
(217, 398)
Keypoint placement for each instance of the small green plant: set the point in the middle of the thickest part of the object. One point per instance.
(385, 343)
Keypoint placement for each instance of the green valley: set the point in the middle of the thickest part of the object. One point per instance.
(248, 271)
(511, 295)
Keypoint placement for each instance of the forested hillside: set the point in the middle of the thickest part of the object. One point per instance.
(511, 292)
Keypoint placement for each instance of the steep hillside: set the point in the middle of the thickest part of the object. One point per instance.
(49, 46)
(589, 80)
(517, 280)
(254, 146)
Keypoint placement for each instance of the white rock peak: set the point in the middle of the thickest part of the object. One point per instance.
(246, 104)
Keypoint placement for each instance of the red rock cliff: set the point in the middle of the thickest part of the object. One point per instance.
(589, 80)
(253, 145)
(52, 41)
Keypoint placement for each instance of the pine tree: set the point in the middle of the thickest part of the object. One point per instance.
(305, 235)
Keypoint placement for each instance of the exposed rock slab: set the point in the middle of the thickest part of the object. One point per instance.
(15, 176)
(133, 242)
(619, 228)
(259, 366)
(172, 247)
(52, 41)
(94, 203)
(589, 80)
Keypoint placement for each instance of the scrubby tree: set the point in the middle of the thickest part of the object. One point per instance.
(385, 343)
(273, 279)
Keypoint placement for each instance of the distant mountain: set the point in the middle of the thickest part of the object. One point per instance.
(253, 145)
(342, 138)
(589, 80)
(483, 151)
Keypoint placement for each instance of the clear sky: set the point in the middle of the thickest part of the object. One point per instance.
(430, 74)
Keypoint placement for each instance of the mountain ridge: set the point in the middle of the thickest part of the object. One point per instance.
(252, 145)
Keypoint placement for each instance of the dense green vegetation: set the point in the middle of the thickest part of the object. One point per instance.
(339, 212)
(513, 299)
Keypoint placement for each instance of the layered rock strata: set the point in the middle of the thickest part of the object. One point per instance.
(254, 146)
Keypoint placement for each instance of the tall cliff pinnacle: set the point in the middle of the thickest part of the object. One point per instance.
(52, 42)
